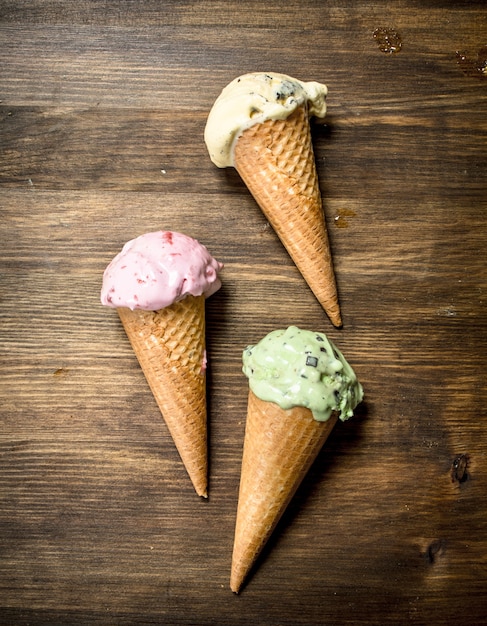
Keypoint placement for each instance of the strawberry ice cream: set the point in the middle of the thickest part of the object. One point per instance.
(158, 283)
(157, 269)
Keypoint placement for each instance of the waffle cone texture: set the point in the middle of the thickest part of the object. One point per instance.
(279, 448)
(275, 159)
(170, 347)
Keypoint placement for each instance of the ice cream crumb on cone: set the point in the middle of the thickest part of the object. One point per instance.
(276, 161)
(170, 347)
(280, 447)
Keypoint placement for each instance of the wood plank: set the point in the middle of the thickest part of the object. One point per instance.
(103, 107)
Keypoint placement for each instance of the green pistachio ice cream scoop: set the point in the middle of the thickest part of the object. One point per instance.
(295, 367)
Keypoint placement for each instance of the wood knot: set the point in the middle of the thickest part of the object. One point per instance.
(434, 550)
(459, 468)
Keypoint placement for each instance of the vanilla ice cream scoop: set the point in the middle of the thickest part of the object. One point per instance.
(254, 98)
(260, 124)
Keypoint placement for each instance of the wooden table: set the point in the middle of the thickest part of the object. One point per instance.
(103, 108)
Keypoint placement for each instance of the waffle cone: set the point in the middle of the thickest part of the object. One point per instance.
(276, 161)
(279, 448)
(170, 347)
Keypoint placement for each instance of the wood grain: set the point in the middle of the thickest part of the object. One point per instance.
(103, 107)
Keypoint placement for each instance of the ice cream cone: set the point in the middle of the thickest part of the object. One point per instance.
(279, 448)
(276, 161)
(170, 346)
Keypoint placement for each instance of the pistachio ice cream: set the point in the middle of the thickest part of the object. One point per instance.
(300, 385)
(296, 367)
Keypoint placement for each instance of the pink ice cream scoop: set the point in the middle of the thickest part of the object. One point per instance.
(157, 269)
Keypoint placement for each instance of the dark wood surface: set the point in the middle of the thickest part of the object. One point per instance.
(103, 107)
